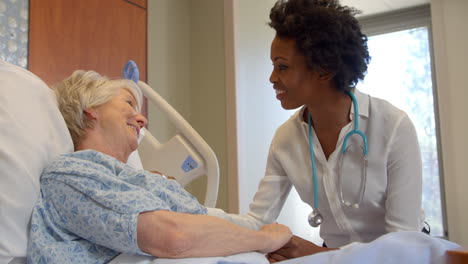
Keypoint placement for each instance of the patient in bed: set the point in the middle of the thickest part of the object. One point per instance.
(94, 206)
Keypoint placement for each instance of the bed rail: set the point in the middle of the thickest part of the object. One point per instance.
(185, 156)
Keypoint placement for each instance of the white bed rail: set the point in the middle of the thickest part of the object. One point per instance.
(185, 156)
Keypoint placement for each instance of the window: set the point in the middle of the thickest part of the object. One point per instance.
(400, 71)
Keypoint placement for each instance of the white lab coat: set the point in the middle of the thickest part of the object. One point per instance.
(392, 199)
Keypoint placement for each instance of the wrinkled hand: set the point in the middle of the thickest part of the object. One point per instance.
(277, 235)
(295, 248)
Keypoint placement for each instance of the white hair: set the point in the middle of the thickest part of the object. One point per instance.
(87, 89)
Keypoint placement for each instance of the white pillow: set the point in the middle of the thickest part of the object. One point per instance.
(134, 159)
(32, 133)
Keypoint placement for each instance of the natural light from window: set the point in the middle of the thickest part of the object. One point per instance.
(400, 72)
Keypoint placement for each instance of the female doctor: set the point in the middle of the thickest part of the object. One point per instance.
(353, 158)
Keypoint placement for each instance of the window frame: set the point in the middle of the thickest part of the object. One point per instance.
(404, 19)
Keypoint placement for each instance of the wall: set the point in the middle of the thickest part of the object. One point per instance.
(258, 113)
(450, 38)
(169, 68)
(208, 104)
(256, 122)
(186, 66)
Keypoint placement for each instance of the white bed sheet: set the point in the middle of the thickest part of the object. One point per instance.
(250, 257)
(398, 248)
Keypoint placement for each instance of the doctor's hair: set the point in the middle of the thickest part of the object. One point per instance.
(327, 34)
(84, 90)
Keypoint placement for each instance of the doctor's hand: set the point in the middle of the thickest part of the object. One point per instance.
(295, 248)
(276, 235)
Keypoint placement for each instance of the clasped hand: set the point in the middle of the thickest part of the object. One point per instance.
(295, 248)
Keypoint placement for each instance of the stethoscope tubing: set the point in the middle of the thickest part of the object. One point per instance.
(312, 160)
(355, 130)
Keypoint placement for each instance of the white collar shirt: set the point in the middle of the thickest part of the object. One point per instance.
(393, 189)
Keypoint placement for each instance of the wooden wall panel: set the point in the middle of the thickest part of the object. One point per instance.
(100, 35)
(141, 3)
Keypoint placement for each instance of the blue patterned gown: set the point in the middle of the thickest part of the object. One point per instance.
(89, 204)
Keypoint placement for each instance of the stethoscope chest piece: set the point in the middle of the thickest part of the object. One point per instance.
(315, 218)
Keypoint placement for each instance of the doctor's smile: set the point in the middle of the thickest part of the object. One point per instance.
(280, 94)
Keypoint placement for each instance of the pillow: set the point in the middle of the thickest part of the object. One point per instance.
(32, 133)
(134, 159)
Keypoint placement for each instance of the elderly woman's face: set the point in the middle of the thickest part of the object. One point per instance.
(120, 124)
(295, 84)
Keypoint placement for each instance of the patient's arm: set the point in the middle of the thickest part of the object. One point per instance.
(296, 247)
(176, 235)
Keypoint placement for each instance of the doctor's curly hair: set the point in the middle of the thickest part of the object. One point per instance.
(327, 34)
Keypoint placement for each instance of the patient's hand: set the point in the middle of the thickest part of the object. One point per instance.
(276, 236)
(296, 247)
(165, 176)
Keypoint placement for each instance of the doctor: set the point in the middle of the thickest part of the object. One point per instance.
(353, 158)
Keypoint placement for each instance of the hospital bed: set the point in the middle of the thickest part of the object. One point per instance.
(33, 132)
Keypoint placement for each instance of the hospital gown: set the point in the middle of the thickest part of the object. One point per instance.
(89, 204)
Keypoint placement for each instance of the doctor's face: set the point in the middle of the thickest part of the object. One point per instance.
(295, 84)
(120, 124)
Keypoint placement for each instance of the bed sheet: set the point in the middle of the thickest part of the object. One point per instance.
(244, 258)
(395, 248)
(398, 248)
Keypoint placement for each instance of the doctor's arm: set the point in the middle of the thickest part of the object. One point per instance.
(404, 186)
(177, 235)
(269, 199)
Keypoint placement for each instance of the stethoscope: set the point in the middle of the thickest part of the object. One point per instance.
(315, 218)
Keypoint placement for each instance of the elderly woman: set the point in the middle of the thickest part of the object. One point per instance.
(93, 206)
